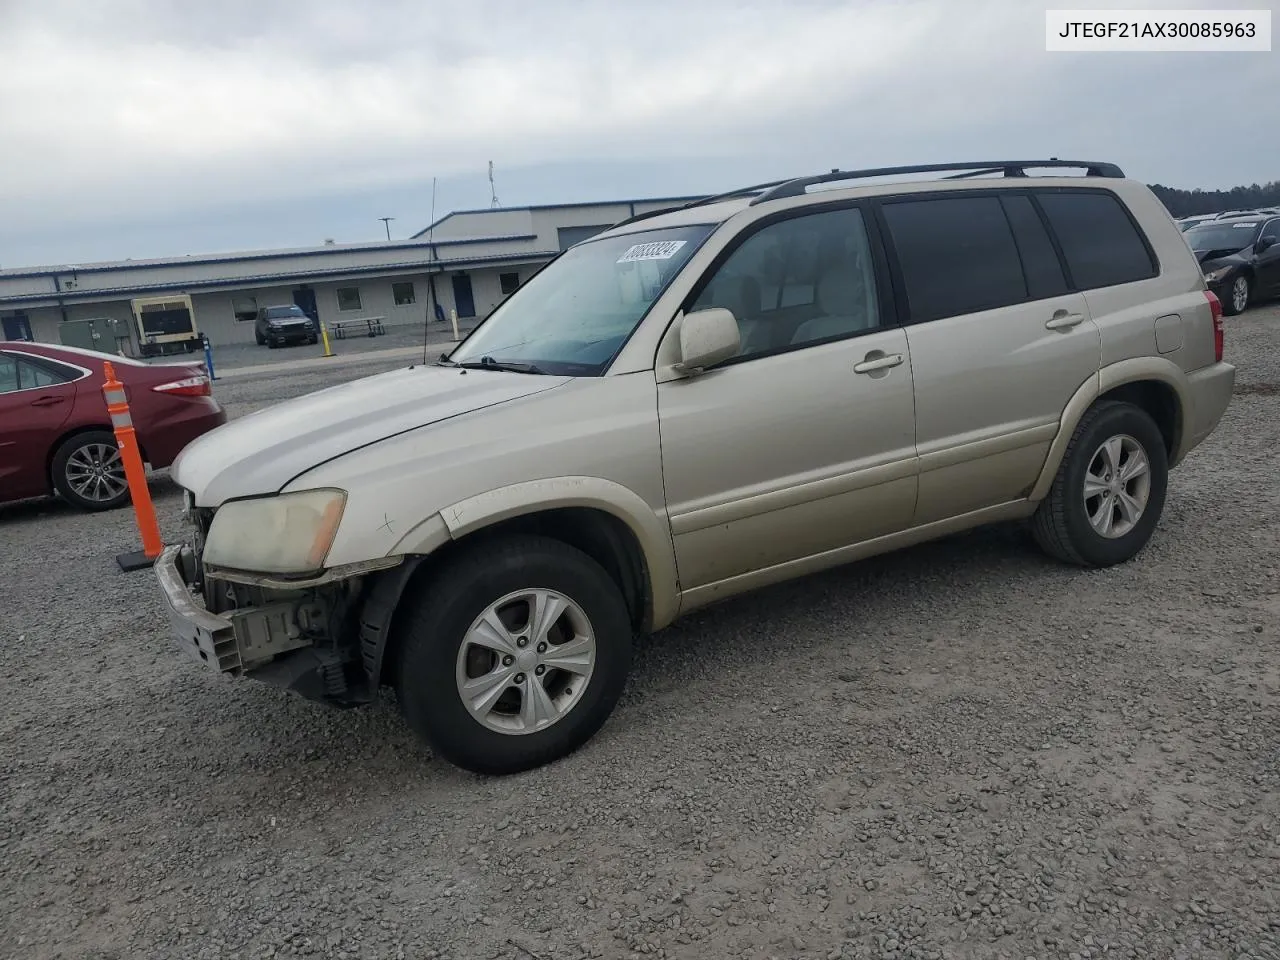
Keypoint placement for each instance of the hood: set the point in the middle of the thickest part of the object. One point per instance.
(1214, 259)
(260, 453)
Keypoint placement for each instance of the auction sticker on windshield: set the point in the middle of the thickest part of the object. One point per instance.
(661, 250)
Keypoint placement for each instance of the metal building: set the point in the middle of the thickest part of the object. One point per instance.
(468, 260)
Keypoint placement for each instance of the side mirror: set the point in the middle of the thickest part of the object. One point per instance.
(1264, 243)
(707, 337)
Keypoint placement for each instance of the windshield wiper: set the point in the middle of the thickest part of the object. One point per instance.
(488, 363)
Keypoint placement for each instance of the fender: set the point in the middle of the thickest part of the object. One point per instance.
(649, 527)
(1108, 378)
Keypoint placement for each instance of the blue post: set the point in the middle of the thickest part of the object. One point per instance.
(208, 356)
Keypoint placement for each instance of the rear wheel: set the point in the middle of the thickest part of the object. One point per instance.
(1109, 491)
(89, 473)
(515, 656)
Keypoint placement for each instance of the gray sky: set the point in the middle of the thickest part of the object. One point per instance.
(134, 128)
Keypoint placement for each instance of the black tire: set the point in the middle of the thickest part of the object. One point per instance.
(312, 341)
(431, 634)
(262, 341)
(1061, 523)
(1238, 294)
(63, 483)
(271, 343)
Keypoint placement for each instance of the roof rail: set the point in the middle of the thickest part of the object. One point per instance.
(1010, 168)
(703, 201)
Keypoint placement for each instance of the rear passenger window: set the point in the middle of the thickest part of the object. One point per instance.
(1099, 241)
(957, 255)
(1039, 259)
(8, 374)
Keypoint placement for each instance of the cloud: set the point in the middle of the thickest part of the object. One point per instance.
(130, 110)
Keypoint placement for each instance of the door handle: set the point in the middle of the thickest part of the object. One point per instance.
(1064, 321)
(873, 363)
(47, 401)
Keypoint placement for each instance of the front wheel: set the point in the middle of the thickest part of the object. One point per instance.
(1237, 298)
(514, 656)
(1109, 491)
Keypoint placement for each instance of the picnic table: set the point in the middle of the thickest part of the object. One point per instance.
(373, 326)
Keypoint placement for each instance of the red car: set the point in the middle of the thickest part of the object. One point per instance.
(55, 433)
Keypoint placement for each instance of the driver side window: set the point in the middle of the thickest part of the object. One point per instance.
(800, 281)
(1272, 230)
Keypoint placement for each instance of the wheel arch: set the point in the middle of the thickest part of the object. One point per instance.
(606, 521)
(1153, 384)
(75, 432)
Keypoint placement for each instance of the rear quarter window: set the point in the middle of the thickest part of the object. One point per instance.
(1100, 242)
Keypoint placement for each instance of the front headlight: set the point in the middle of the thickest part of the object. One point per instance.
(1213, 276)
(290, 533)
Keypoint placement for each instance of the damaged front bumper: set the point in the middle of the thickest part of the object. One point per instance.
(304, 638)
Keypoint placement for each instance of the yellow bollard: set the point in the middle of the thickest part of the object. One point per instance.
(324, 335)
(453, 318)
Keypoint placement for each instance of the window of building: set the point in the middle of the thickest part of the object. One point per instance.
(957, 255)
(509, 282)
(244, 308)
(1100, 242)
(349, 298)
(403, 294)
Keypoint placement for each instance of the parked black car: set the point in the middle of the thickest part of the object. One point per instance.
(275, 326)
(1240, 257)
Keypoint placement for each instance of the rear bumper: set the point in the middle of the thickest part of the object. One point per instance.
(163, 441)
(1210, 390)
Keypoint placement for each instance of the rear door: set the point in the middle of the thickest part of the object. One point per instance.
(36, 400)
(998, 342)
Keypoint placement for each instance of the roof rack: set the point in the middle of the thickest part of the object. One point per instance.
(703, 201)
(1010, 168)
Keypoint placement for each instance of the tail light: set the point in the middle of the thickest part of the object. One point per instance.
(1215, 305)
(196, 386)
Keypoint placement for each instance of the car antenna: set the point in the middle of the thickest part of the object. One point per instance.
(431, 287)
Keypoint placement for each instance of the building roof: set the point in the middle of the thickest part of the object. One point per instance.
(674, 201)
(204, 285)
(328, 249)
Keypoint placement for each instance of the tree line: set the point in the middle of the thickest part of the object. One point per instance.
(1187, 203)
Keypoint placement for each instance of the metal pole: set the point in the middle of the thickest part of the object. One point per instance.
(386, 222)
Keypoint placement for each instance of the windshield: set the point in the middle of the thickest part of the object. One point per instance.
(1223, 236)
(575, 314)
(273, 312)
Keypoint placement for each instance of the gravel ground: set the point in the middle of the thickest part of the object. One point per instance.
(961, 750)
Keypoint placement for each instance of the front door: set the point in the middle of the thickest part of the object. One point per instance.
(804, 443)
(1267, 265)
(998, 345)
(305, 298)
(463, 300)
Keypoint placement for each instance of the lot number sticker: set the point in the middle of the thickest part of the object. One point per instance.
(662, 250)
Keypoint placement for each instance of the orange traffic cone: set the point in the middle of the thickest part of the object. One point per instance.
(136, 475)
